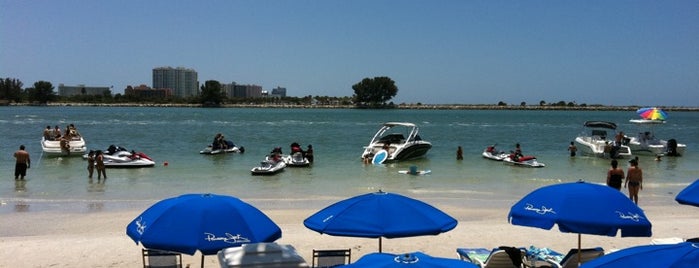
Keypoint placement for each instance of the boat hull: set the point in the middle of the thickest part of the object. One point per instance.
(595, 147)
(410, 151)
(53, 148)
(657, 147)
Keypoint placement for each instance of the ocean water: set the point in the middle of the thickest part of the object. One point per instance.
(175, 136)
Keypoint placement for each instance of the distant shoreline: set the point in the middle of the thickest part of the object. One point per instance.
(398, 106)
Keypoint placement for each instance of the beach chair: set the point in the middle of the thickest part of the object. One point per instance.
(153, 258)
(502, 257)
(331, 257)
(570, 260)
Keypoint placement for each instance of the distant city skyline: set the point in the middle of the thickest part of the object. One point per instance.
(438, 52)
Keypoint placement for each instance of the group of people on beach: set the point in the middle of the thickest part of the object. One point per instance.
(633, 180)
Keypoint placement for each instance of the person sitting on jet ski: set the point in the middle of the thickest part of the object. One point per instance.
(216, 144)
(296, 148)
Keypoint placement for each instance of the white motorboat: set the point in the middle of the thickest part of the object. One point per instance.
(403, 145)
(120, 157)
(599, 142)
(269, 167)
(493, 154)
(645, 141)
(296, 160)
(73, 147)
(522, 161)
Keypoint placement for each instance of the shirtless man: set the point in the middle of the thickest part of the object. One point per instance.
(22, 163)
(634, 180)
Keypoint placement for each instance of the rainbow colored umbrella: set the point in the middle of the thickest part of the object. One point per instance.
(652, 113)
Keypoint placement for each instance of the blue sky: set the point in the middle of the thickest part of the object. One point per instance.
(439, 52)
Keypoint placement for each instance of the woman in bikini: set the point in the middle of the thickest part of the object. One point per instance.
(615, 175)
(634, 180)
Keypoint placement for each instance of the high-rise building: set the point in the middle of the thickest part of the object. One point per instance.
(279, 92)
(182, 81)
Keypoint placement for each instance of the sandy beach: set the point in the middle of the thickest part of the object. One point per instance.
(98, 239)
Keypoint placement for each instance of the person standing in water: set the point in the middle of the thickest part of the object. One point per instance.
(309, 153)
(572, 149)
(90, 164)
(634, 180)
(615, 175)
(22, 163)
(99, 165)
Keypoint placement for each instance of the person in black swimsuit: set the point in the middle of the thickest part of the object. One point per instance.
(634, 180)
(615, 175)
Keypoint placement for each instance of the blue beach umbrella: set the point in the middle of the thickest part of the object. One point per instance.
(380, 214)
(201, 222)
(416, 259)
(582, 208)
(680, 255)
(689, 195)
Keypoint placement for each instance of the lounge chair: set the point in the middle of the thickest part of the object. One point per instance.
(153, 258)
(502, 257)
(261, 255)
(331, 257)
(571, 259)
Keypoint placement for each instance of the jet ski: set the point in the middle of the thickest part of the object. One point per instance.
(522, 161)
(269, 167)
(273, 163)
(120, 157)
(491, 153)
(132, 160)
(296, 160)
(210, 150)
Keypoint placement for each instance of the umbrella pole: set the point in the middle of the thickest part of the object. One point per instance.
(379, 244)
(202, 260)
(579, 249)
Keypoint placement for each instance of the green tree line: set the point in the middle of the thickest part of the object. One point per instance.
(368, 93)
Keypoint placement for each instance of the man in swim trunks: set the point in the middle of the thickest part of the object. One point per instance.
(615, 175)
(22, 163)
(634, 180)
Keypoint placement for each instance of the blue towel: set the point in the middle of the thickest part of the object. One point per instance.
(544, 254)
(473, 254)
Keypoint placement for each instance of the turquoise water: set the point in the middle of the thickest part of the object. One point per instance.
(175, 136)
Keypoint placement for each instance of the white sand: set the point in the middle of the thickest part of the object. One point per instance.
(98, 239)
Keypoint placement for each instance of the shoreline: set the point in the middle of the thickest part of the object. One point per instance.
(98, 239)
(398, 106)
